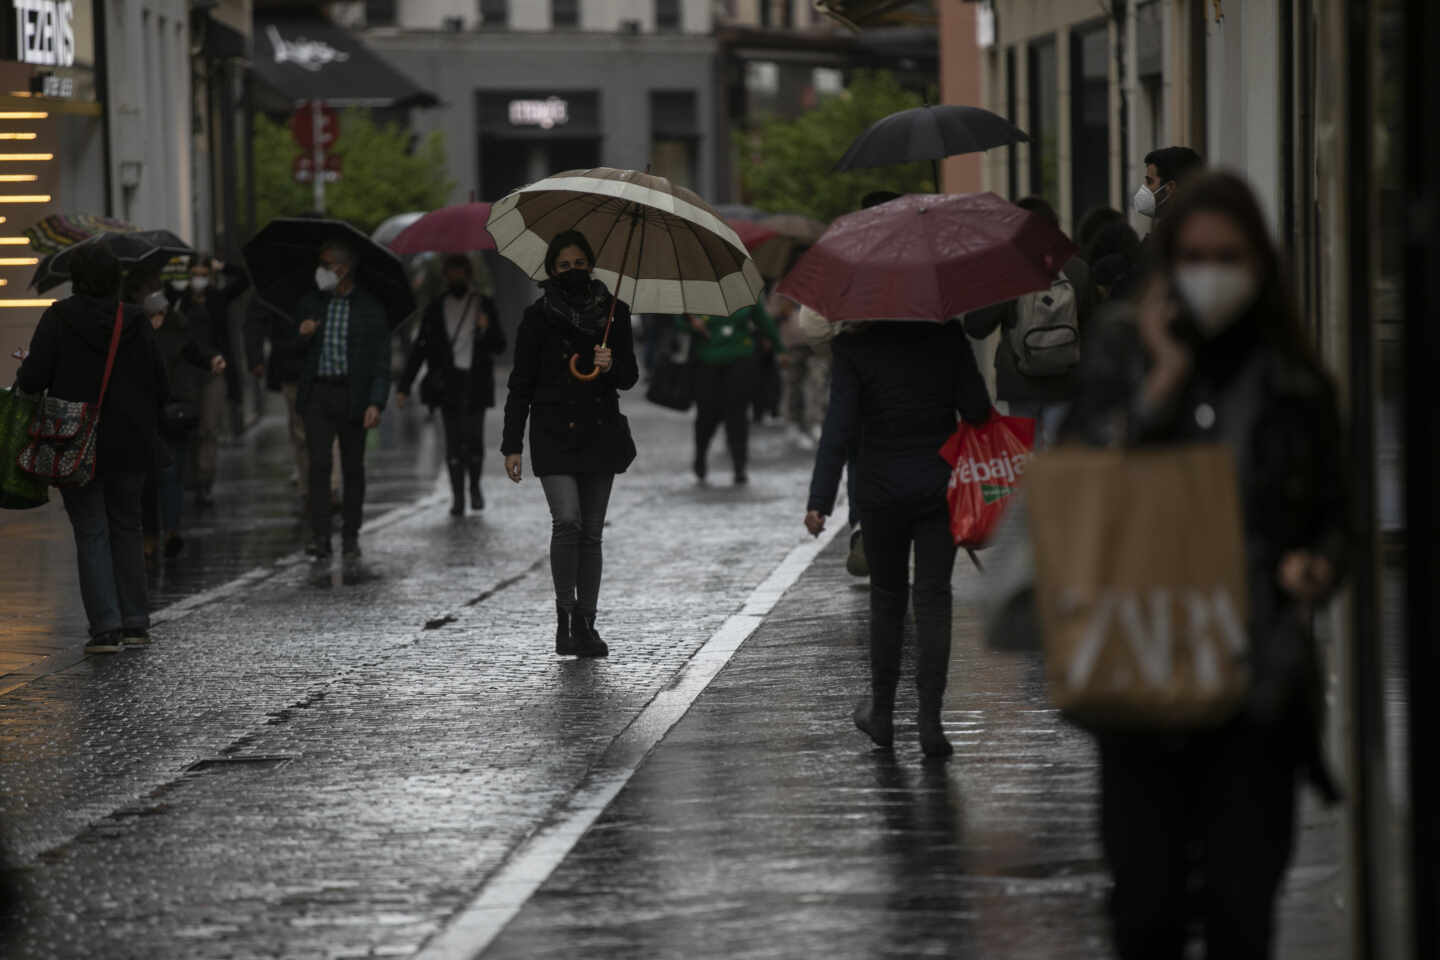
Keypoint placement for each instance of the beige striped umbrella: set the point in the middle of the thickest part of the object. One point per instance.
(659, 247)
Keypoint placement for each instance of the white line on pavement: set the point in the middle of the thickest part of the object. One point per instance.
(473, 929)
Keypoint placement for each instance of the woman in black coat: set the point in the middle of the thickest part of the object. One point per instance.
(1217, 356)
(896, 388)
(579, 439)
(67, 359)
(460, 336)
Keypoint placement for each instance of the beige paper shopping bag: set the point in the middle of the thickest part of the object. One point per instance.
(1140, 583)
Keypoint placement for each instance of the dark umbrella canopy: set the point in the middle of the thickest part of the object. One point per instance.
(929, 133)
(927, 257)
(283, 256)
(134, 249)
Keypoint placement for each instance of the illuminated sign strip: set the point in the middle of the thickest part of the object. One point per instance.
(18, 261)
(25, 198)
(17, 136)
(25, 157)
(26, 303)
(18, 178)
(24, 115)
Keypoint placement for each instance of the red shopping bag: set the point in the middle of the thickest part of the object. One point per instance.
(986, 463)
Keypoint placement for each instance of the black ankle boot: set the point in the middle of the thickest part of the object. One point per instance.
(477, 498)
(457, 489)
(933, 742)
(584, 637)
(565, 632)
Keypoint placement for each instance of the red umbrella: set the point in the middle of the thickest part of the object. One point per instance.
(457, 229)
(927, 257)
(751, 234)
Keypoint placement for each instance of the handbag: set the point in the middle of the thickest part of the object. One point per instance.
(672, 384)
(63, 433)
(18, 489)
(178, 418)
(1141, 586)
(435, 385)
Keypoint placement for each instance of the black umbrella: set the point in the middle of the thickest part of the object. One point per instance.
(142, 248)
(282, 260)
(929, 133)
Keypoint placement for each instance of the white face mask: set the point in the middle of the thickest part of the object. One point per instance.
(1145, 201)
(1216, 293)
(179, 284)
(326, 279)
(199, 284)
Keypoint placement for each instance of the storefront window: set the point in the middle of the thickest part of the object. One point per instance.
(674, 137)
(565, 13)
(667, 15)
(1089, 118)
(494, 13)
(1150, 67)
(1044, 83)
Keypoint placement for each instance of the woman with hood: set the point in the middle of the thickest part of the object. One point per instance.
(579, 439)
(67, 359)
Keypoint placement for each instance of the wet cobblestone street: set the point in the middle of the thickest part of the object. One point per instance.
(333, 760)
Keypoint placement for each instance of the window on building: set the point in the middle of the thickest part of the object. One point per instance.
(675, 137)
(565, 13)
(379, 13)
(1150, 61)
(1089, 118)
(494, 13)
(667, 15)
(1044, 83)
(777, 13)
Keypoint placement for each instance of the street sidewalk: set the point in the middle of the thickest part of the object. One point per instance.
(766, 826)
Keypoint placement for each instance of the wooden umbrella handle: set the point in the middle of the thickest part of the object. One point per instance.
(609, 320)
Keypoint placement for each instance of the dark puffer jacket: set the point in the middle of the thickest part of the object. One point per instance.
(575, 425)
(67, 358)
(896, 387)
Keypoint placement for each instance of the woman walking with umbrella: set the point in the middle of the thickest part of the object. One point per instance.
(579, 440)
(663, 250)
(896, 388)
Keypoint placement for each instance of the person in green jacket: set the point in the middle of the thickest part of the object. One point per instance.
(725, 381)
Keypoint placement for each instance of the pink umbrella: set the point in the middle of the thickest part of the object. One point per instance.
(457, 229)
(927, 257)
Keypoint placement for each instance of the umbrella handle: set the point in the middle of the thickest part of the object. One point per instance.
(609, 320)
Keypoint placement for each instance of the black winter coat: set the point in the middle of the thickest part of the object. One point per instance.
(896, 388)
(432, 348)
(575, 426)
(67, 358)
(263, 322)
(210, 315)
(178, 344)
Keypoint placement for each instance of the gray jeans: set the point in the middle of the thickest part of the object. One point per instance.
(577, 512)
(110, 551)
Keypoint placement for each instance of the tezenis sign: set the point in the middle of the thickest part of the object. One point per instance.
(45, 32)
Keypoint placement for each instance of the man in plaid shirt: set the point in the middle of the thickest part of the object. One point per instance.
(344, 383)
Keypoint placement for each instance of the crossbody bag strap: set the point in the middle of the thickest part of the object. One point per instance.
(455, 337)
(110, 360)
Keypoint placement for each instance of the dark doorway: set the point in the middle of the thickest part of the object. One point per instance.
(508, 163)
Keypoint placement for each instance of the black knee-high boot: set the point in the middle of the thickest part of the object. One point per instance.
(477, 496)
(932, 667)
(457, 487)
(887, 632)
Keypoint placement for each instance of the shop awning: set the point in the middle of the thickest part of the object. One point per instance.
(308, 57)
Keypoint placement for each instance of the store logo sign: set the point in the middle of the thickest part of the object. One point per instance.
(45, 32)
(309, 55)
(545, 114)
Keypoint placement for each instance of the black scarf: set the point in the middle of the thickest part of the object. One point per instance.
(586, 311)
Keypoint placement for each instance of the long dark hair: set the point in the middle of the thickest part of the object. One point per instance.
(1225, 193)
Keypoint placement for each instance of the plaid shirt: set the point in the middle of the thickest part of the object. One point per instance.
(335, 339)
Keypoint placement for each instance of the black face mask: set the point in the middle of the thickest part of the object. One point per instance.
(573, 281)
(458, 290)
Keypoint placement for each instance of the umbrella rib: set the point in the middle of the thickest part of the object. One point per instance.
(679, 271)
(639, 259)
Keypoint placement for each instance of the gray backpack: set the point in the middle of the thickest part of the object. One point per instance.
(1046, 336)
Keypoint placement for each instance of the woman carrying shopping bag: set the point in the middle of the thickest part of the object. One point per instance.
(90, 349)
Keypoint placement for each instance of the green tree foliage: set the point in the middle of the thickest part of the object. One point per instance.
(788, 165)
(380, 177)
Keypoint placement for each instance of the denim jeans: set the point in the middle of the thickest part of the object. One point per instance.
(1047, 416)
(110, 551)
(577, 512)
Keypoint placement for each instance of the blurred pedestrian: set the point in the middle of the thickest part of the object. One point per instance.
(1114, 255)
(460, 336)
(807, 374)
(1206, 820)
(189, 364)
(1091, 224)
(579, 440)
(726, 381)
(1165, 170)
(1030, 387)
(344, 383)
(67, 358)
(896, 389)
(205, 299)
